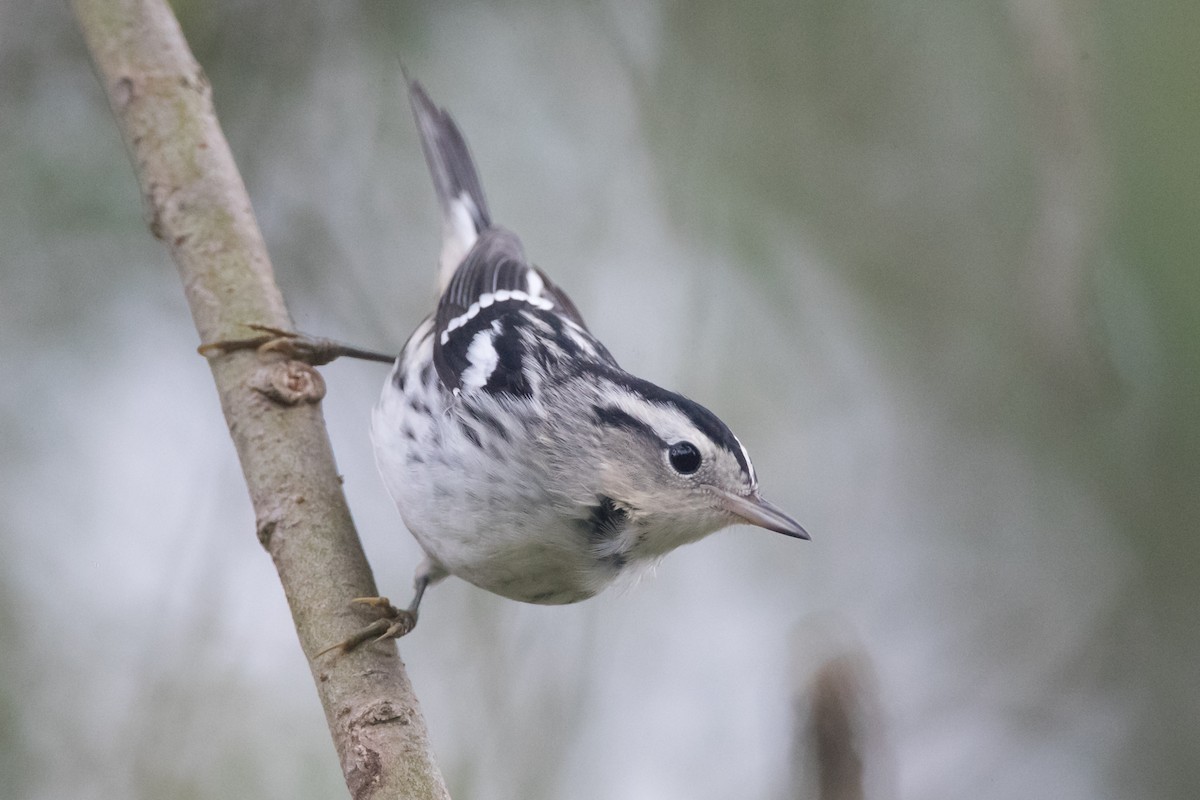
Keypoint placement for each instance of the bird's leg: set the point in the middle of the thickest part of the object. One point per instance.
(394, 623)
(313, 350)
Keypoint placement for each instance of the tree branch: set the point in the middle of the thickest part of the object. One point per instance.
(197, 204)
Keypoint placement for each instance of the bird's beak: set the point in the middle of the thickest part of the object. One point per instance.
(754, 510)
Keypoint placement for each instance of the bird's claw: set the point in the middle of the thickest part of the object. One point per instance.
(402, 626)
(312, 350)
(394, 623)
(377, 602)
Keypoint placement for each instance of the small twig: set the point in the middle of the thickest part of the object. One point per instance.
(312, 350)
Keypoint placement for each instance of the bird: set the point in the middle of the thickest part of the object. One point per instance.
(521, 456)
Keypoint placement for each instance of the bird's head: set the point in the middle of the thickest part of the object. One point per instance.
(673, 467)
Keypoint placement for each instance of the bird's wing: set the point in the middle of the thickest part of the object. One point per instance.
(501, 316)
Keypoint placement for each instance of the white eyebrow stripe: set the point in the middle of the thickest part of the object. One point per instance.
(749, 463)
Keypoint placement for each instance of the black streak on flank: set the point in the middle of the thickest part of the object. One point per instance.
(605, 522)
(483, 417)
(470, 433)
(398, 378)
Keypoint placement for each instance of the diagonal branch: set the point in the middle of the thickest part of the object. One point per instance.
(197, 204)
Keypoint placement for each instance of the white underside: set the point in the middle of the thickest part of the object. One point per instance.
(483, 519)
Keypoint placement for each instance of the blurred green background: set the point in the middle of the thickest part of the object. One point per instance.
(935, 262)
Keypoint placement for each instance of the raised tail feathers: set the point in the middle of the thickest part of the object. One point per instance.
(460, 195)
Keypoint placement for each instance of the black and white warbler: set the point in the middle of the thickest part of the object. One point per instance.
(520, 455)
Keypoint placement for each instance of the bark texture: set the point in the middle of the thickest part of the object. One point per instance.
(196, 202)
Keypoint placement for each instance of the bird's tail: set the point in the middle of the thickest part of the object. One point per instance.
(464, 208)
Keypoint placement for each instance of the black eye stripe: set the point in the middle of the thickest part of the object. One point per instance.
(616, 418)
(704, 420)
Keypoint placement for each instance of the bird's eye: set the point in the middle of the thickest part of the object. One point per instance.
(685, 458)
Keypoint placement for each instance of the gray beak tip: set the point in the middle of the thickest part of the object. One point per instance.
(797, 533)
(754, 510)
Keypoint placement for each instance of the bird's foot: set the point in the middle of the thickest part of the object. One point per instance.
(312, 350)
(394, 623)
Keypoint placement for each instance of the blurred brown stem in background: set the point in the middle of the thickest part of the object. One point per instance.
(197, 204)
(835, 733)
(836, 743)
